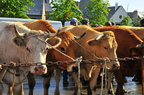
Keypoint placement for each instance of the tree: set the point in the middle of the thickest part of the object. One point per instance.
(126, 21)
(136, 24)
(97, 11)
(15, 8)
(64, 10)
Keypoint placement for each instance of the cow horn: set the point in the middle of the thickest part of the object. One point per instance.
(48, 31)
(16, 31)
(99, 36)
(140, 45)
(52, 34)
(78, 37)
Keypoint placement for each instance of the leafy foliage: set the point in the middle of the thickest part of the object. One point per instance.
(137, 24)
(98, 11)
(126, 21)
(64, 10)
(15, 8)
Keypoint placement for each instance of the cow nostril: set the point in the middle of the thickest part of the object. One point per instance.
(116, 66)
(74, 69)
(36, 69)
(40, 69)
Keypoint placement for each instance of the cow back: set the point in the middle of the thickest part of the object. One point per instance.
(40, 25)
(139, 31)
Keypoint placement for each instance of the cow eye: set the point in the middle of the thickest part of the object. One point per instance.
(46, 49)
(106, 48)
(62, 49)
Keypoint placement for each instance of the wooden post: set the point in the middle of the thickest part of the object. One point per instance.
(142, 63)
(44, 10)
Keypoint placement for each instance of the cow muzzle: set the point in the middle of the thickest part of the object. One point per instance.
(72, 68)
(114, 66)
(39, 70)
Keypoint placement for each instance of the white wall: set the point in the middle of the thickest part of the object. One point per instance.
(116, 16)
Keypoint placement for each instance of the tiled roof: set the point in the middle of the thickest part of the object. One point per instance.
(112, 11)
(37, 9)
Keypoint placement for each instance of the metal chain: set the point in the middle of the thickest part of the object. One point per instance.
(60, 63)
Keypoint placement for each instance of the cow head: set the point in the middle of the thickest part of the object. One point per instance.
(138, 50)
(33, 47)
(105, 45)
(68, 47)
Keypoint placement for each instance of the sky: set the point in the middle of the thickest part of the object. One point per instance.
(129, 5)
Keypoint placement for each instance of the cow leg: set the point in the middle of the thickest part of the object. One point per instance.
(1, 88)
(46, 84)
(120, 82)
(47, 78)
(57, 76)
(93, 82)
(18, 89)
(75, 78)
(10, 90)
(31, 83)
(110, 86)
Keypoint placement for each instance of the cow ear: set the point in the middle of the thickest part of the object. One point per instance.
(93, 42)
(54, 42)
(134, 51)
(19, 41)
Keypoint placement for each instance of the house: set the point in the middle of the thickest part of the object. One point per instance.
(82, 6)
(135, 15)
(36, 11)
(116, 13)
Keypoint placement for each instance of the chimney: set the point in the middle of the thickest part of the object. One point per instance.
(135, 16)
(116, 6)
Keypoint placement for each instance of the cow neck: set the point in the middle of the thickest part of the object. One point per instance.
(14, 72)
(85, 49)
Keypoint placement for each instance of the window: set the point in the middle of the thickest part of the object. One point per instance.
(120, 16)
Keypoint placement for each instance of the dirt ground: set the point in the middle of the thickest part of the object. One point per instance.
(133, 88)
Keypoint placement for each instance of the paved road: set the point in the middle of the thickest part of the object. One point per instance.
(133, 88)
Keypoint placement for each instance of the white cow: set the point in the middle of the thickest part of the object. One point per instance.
(22, 45)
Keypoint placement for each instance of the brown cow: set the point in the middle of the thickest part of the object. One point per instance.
(139, 31)
(67, 46)
(126, 39)
(98, 44)
(40, 25)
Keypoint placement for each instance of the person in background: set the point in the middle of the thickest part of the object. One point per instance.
(142, 23)
(85, 21)
(74, 21)
(113, 23)
(97, 25)
(108, 24)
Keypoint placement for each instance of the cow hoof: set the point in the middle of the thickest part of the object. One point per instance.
(109, 92)
(124, 91)
(77, 94)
